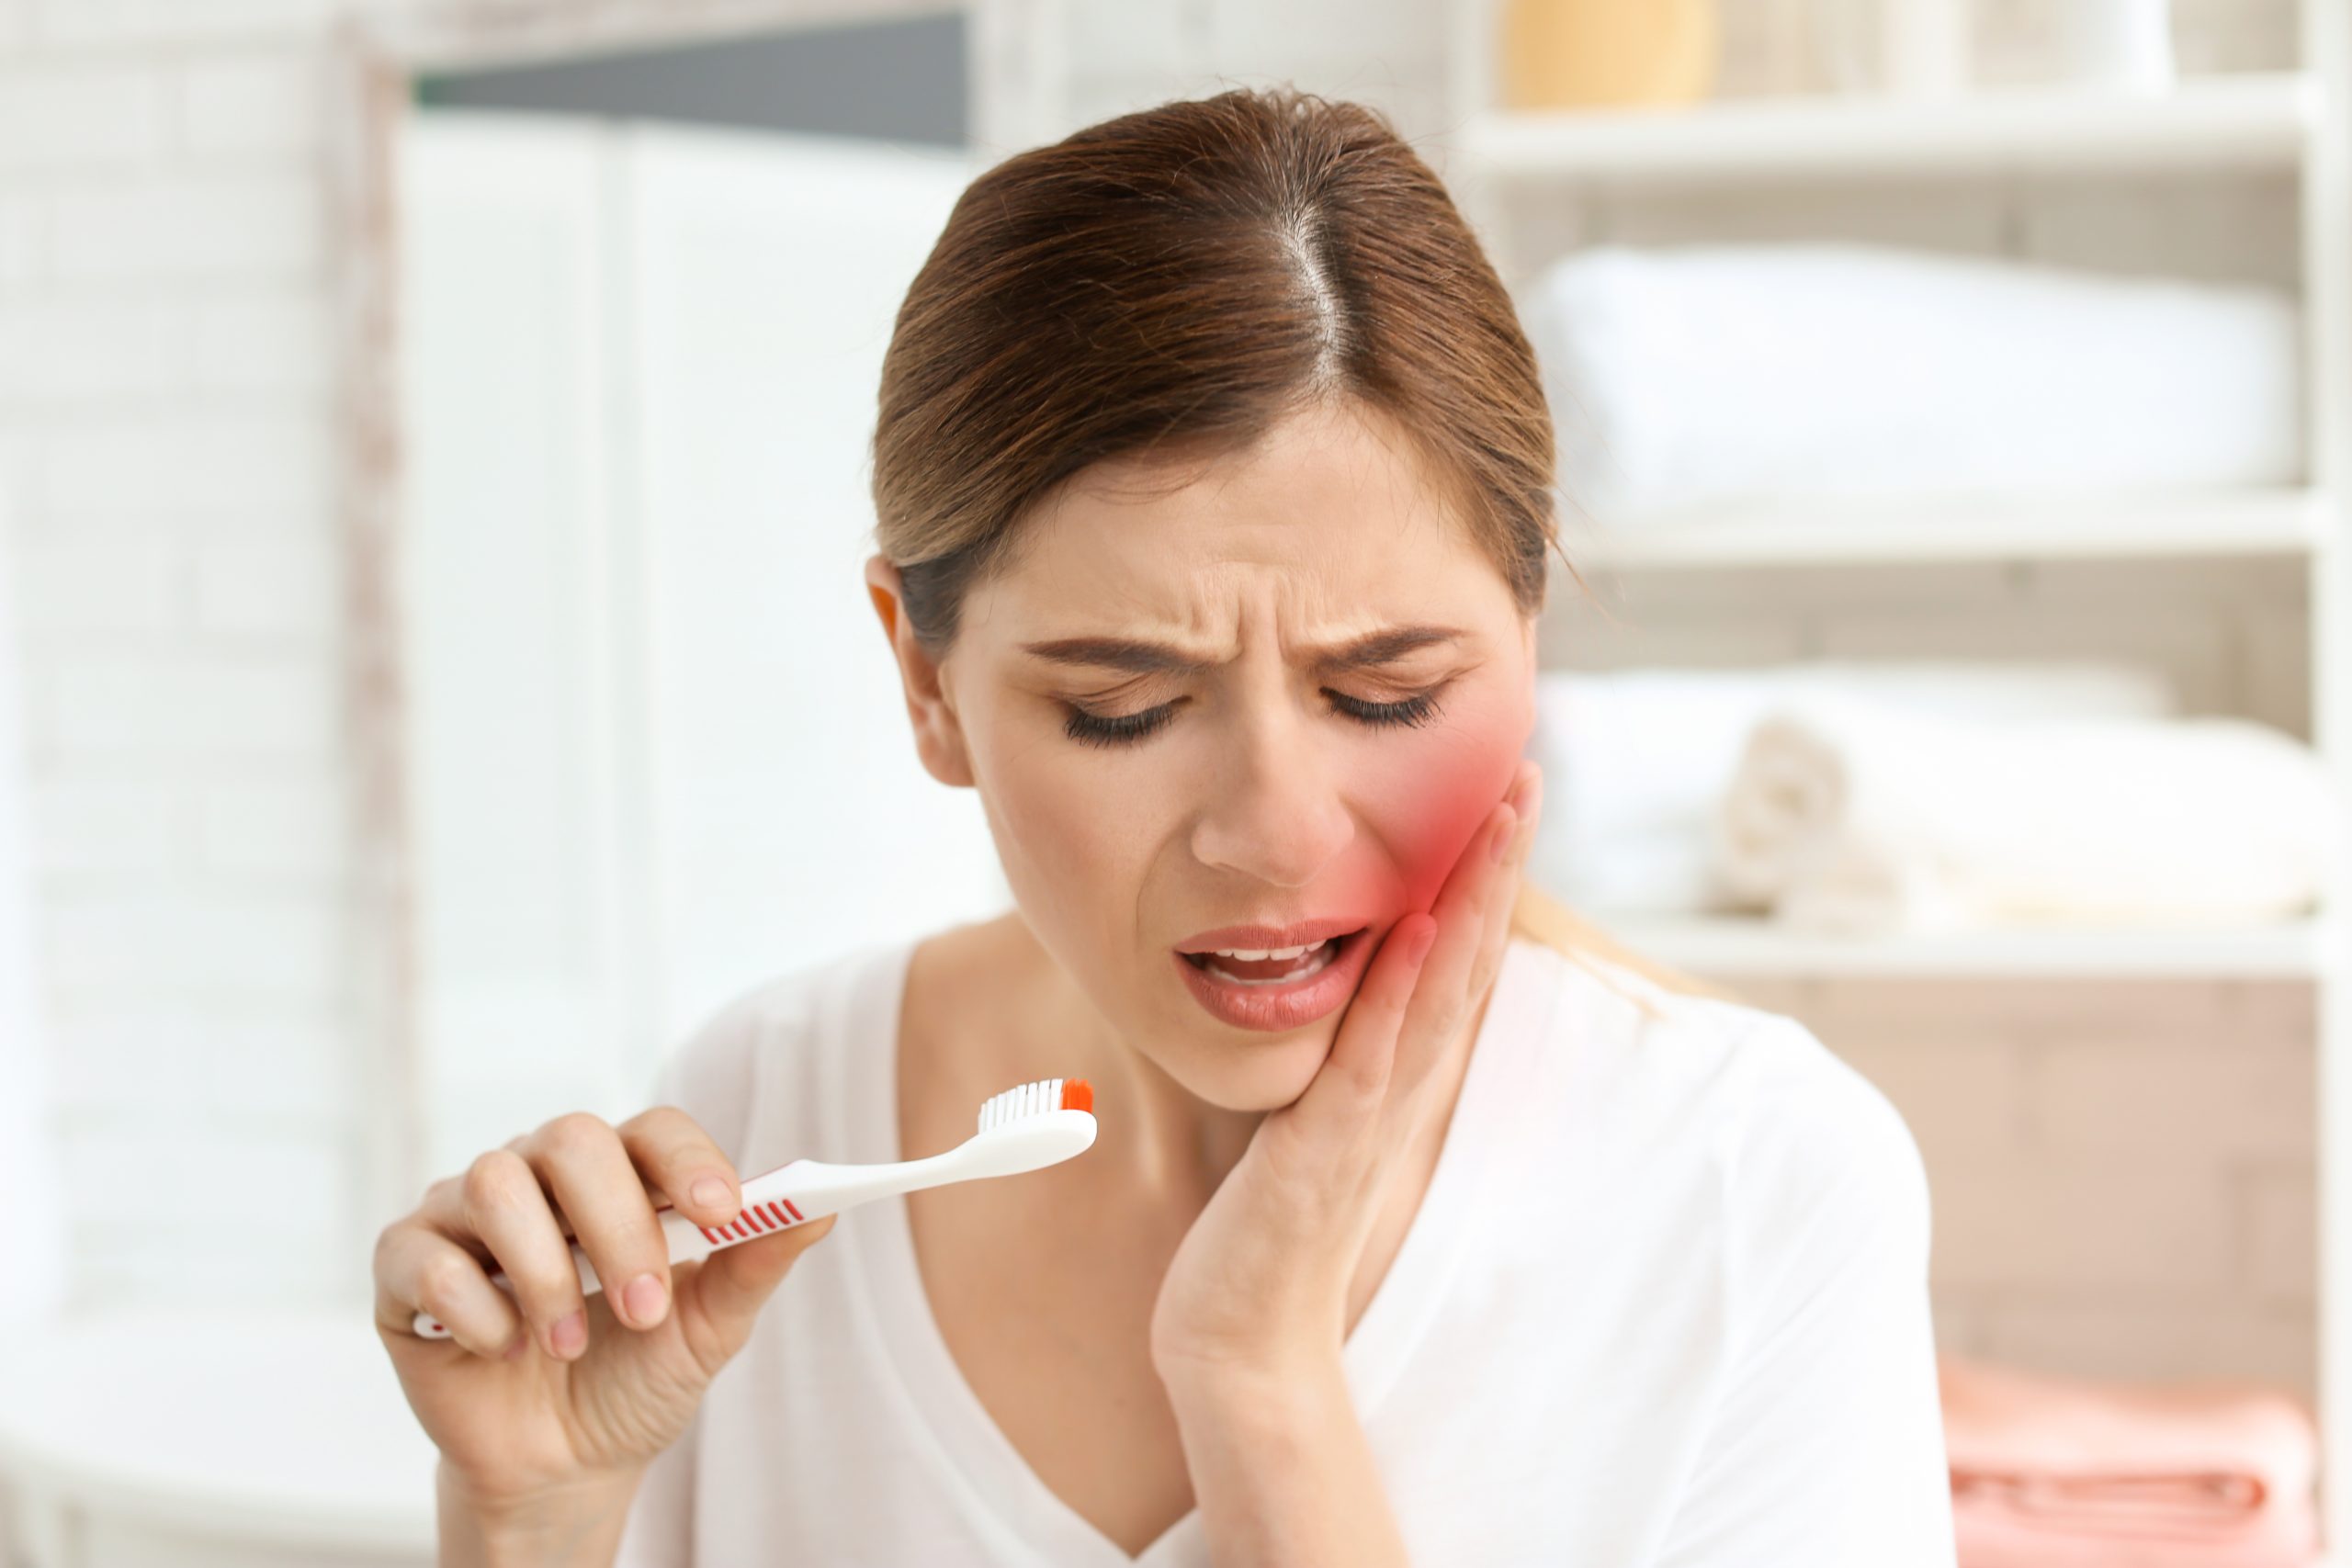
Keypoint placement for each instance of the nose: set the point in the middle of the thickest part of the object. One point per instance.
(1275, 816)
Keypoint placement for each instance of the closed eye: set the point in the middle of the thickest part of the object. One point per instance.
(1099, 729)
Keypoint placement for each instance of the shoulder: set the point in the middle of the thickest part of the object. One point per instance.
(767, 1043)
(1786, 1133)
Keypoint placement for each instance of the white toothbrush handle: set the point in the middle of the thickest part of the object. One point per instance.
(809, 1190)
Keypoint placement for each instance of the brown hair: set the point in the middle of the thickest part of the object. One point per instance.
(1178, 280)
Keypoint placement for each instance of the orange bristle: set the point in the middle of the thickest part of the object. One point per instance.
(1076, 1095)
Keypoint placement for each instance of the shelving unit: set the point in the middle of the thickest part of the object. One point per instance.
(2217, 122)
(1729, 945)
(2289, 125)
(2294, 523)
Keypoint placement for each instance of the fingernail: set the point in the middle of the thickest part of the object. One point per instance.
(1502, 839)
(570, 1336)
(711, 1192)
(645, 1299)
(1421, 944)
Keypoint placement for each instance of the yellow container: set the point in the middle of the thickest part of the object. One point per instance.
(1589, 53)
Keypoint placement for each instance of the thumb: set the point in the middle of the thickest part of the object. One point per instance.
(723, 1296)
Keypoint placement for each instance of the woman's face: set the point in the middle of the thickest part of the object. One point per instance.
(1261, 786)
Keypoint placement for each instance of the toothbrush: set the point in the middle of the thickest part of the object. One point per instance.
(1027, 1128)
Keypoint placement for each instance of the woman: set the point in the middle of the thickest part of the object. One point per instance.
(1214, 481)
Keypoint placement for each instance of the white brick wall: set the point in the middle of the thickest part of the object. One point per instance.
(2123, 1175)
(164, 376)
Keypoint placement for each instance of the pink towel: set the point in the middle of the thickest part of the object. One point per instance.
(2051, 1471)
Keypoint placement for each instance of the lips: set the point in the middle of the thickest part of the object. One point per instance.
(1260, 938)
(1282, 1004)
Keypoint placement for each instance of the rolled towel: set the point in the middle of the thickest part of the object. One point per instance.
(1636, 761)
(2053, 1471)
(1700, 374)
(1852, 815)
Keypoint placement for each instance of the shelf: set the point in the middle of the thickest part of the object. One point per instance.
(1841, 531)
(1731, 945)
(2218, 121)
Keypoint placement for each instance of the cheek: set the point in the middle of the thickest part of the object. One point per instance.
(1429, 810)
(1062, 841)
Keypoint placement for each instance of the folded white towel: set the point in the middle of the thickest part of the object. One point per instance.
(1636, 761)
(1853, 815)
(1700, 374)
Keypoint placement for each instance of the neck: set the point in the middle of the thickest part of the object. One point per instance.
(1166, 1141)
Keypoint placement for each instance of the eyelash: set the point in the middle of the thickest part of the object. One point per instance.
(1125, 730)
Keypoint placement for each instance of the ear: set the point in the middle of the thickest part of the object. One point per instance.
(939, 739)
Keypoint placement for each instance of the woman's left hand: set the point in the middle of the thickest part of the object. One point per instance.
(1260, 1286)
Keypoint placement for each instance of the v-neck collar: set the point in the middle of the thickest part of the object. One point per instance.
(979, 1460)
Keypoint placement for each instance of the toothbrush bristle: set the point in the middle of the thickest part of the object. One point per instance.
(1035, 1099)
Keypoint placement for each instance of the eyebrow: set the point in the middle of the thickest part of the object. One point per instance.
(1156, 658)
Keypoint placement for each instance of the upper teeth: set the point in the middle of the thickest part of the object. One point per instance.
(1259, 955)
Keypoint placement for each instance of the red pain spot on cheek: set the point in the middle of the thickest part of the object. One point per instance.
(1447, 811)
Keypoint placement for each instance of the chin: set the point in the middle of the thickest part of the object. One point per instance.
(1253, 1078)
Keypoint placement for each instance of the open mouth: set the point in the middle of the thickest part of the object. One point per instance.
(1276, 969)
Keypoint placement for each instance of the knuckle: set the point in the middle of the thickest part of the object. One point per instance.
(497, 1180)
(550, 1294)
(623, 1246)
(678, 1143)
(545, 1291)
(575, 1132)
(388, 1242)
(639, 1235)
(443, 1281)
(661, 1118)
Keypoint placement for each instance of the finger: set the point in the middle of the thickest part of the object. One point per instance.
(596, 1181)
(720, 1298)
(504, 1207)
(684, 1165)
(1354, 1077)
(670, 1150)
(1527, 800)
(1439, 1002)
(418, 1270)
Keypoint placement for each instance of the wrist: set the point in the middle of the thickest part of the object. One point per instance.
(580, 1522)
(1304, 1383)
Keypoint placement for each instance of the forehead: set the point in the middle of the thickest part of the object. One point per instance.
(1331, 516)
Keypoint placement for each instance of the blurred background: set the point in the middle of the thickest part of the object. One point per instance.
(434, 671)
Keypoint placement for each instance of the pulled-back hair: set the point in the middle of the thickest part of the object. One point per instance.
(1171, 284)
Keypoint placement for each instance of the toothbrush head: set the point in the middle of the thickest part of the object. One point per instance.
(1045, 1094)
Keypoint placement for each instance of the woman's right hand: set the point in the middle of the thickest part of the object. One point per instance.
(548, 1394)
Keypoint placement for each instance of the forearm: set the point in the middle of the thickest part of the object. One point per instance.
(1282, 1473)
(581, 1531)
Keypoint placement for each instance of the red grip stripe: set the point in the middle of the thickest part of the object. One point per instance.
(795, 1213)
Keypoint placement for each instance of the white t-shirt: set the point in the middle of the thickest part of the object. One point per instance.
(1664, 1306)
